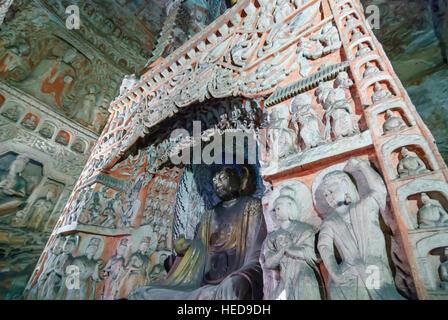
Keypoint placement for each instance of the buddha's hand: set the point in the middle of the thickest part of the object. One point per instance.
(233, 288)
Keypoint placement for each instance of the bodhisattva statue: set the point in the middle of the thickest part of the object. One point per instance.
(13, 185)
(291, 250)
(222, 262)
(114, 270)
(352, 226)
(432, 213)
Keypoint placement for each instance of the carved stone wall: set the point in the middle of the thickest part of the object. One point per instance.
(339, 142)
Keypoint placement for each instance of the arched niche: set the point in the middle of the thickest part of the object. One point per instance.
(406, 195)
(378, 88)
(414, 203)
(349, 16)
(47, 129)
(30, 121)
(355, 32)
(399, 109)
(360, 48)
(414, 143)
(63, 137)
(361, 65)
(12, 110)
(425, 250)
(344, 6)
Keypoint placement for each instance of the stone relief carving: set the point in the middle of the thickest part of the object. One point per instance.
(291, 249)
(311, 126)
(393, 124)
(443, 270)
(410, 165)
(351, 225)
(432, 213)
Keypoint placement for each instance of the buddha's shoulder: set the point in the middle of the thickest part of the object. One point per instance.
(253, 206)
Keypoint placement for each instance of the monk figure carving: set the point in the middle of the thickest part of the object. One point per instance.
(222, 262)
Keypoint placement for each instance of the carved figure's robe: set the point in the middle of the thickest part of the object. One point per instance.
(214, 257)
(362, 247)
(298, 276)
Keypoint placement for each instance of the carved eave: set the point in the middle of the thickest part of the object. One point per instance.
(202, 69)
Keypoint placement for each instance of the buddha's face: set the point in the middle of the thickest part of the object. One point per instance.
(225, 185)
(335, 193)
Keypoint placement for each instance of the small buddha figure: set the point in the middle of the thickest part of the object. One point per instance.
(281, 139)
(431, 214)
(380, 93)
(41, 208)
(13, 186)
(393, 124)
(356, 35)
(30, 122)
(310, 124)
(410, 165)
(371, 69)
(362, 50)
(351, 20)
(443, 270)
(222, 262)
(46, 132)
(63, 138)
(291, 250)
(11, 113)
(78, 147)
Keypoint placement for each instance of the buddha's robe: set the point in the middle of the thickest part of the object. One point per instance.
(217, 253)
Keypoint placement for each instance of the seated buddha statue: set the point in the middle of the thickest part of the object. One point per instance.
(222, 261)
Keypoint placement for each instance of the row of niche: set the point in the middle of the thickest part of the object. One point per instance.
(46, 128)
(369, 68)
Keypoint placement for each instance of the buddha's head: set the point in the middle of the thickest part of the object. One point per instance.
(339, 190)
(227, 183)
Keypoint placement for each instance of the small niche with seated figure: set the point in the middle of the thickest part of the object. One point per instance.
(410, 161)
(30, 121)
(47, 130)
(427, 210)
(63, 138)
(11, 112)
(79, 146)
(393, 121)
